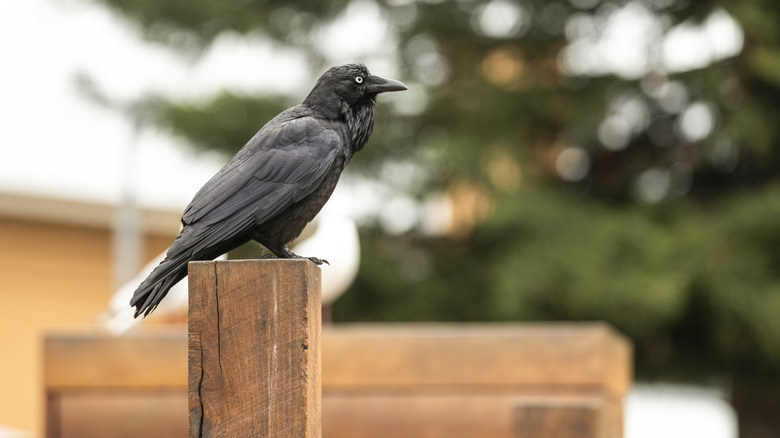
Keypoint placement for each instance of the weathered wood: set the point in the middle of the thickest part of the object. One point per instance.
(380, 381)
(366, 356)
(119, 414)
(414, 357)
(96, 360)
(465, 414)
(390, 415)
(551, 418)
(254, 349)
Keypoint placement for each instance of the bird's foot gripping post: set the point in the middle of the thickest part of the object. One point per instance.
(254, 349)
(285, 253)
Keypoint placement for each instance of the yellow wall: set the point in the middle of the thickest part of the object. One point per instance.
(51, 276)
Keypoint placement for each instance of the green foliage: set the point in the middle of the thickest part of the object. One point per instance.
(193, 23)
(744, 277)
(225, 122)
(696, 289)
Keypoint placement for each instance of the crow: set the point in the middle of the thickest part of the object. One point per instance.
(277, 182)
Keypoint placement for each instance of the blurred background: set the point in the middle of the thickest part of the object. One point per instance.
(552, 160)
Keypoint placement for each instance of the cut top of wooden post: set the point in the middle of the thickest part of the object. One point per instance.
(254, 349)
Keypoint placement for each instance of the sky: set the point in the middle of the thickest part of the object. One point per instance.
(57, 141)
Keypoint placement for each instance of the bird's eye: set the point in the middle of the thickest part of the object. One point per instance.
(359, 79)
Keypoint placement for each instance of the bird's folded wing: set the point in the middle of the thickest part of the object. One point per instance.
(282, 164)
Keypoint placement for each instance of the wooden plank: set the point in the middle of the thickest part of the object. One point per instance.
(412, 357)
(373, 398)
(122, 414)
(455, 415)
(98, 360)
(450, 415)
(552, 418)
(254, 349)
(370, 356)
(53, 416)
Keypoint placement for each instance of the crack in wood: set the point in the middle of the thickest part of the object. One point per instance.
(251, 356)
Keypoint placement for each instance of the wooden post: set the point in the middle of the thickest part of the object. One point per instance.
(550, 418)
(254, 349)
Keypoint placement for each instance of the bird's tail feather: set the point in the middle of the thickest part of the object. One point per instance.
(152, 290)
(193, 243)
(169, 272)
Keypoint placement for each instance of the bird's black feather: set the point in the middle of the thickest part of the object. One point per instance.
(277, 182)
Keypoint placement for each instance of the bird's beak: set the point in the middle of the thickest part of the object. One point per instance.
(379, 84)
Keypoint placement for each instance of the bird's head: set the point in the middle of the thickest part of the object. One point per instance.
(350, 84)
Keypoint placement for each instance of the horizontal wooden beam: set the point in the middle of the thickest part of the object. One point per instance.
(447, 380)
(357, 356)
(96, 359)
(117, 414)
(570, 418)
(479, 356)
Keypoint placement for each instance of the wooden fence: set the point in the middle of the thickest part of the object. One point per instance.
(397, 380)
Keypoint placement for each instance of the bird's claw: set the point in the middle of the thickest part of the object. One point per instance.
(287, 254)
(318, 261)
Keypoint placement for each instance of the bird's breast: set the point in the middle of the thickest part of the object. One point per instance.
(360, 122)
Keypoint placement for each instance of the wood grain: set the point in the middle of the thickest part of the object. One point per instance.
(413, 357)
(453, 380)
(97, 360)
(452, 415)
(120, 414)
(254, 349)
(570, 418)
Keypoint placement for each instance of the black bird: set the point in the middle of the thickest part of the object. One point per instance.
(278, 181)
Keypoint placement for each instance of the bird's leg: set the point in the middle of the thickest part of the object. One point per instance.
(285, 253)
